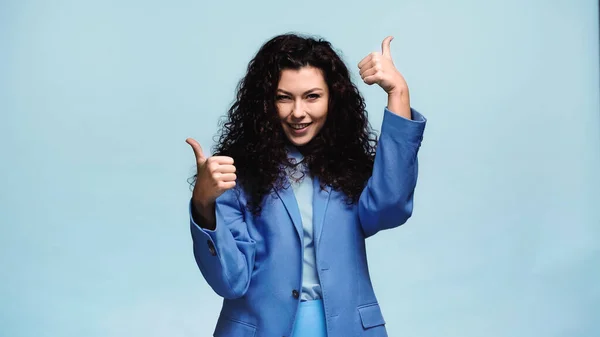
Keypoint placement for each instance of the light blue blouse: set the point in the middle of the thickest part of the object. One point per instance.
(302, 185)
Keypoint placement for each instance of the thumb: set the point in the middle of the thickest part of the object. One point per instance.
(385, 46)
(200, 158)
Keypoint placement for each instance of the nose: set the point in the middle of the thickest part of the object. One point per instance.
(298, 111)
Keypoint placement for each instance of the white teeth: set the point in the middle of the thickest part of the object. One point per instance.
(299, 126)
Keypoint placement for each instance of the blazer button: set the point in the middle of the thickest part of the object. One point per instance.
(211, 248)
(295, 293)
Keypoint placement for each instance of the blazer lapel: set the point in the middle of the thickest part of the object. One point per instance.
(291, 205)
(320, 201)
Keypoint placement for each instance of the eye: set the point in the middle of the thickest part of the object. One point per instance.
(313, 96)
(281, 97)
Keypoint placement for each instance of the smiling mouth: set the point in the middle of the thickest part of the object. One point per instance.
(299, 126)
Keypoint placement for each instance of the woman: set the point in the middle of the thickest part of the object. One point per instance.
(279, 215)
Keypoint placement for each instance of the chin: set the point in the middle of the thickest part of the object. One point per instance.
(299, 141)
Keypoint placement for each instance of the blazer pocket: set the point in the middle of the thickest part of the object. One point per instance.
(227, 327)
(370, 315)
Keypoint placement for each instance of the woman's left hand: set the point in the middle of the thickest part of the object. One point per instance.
(379, 68)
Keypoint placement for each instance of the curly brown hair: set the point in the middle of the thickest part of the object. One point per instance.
(341, 155)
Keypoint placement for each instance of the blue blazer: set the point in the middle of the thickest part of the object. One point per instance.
(255, 263)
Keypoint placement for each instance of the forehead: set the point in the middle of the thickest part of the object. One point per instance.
(300, 79)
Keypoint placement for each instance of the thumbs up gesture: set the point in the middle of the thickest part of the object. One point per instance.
(379, 68)
(215, 176)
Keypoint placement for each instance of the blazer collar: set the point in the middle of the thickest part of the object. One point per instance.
(320, 201)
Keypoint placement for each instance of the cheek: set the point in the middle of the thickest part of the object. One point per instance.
(322, 113)
(320, 118)
(284, 109)
(280, 110)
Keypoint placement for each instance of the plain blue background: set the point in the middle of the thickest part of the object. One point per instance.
(98, 97)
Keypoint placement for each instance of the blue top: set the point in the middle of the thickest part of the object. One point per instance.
(302, 186)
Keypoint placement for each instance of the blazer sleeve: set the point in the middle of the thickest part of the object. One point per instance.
(225, 255)
(387, 199)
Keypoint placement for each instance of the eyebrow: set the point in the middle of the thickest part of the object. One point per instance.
(305, 93)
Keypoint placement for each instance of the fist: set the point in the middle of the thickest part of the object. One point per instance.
(379, 68)
(215, 176)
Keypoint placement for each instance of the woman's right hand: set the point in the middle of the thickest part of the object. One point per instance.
(215, 176)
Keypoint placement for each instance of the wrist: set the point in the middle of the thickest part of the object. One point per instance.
(399, 103)
(399, 92)
(204, 215)
(202, 205)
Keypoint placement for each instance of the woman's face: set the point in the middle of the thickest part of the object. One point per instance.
(302, 100)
